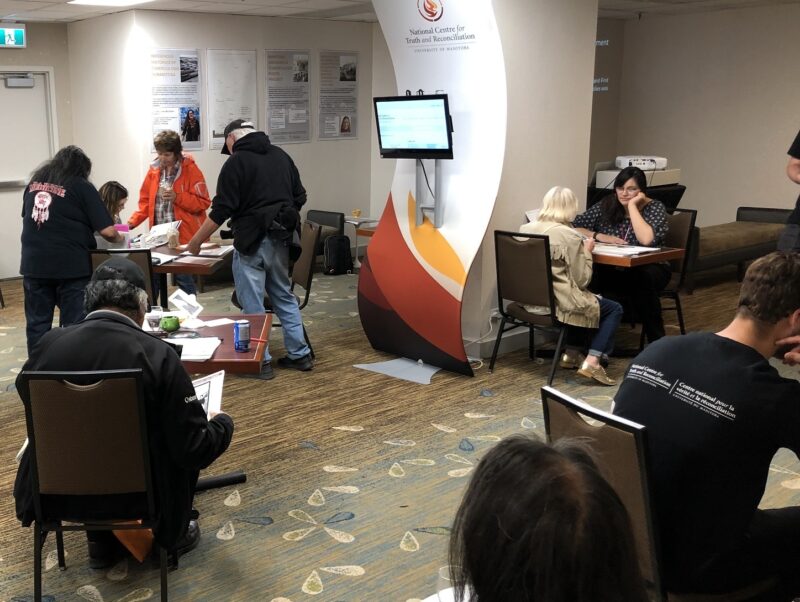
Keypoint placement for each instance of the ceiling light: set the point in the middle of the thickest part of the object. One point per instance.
(118, 3)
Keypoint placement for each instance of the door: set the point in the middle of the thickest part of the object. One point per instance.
(28, 140)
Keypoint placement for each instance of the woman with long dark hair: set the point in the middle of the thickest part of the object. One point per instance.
(61, 211)
(538, 523)
(114, 196)
(629, 217)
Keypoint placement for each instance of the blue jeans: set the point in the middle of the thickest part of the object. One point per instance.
(603, 340)
(268, 269)
(41, 297)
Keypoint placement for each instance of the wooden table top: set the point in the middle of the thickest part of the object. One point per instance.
(189, 264)
(664, 254)
(225, 357)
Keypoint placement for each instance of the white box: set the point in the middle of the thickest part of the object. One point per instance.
(659, 177)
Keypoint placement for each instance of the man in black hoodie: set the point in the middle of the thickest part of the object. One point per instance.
(259, 190)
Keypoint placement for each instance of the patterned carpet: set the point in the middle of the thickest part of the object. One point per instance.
(353, 477)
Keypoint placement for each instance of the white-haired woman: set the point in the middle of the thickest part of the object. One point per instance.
(571, 263)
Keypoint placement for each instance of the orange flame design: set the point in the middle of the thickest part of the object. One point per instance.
(431, 8)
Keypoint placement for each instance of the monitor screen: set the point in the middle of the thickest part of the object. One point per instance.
(414, 127)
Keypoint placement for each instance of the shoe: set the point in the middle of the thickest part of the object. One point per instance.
(571, 360)
(304, 364)
(596, 373)
(267, 373)
(189, 541)
(104, 549)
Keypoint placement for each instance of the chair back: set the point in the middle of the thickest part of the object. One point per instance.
(140, 257)
(523, 269)
(332, 223)
(681, 224)
(87, 435)
(621, 455)
(303, 270)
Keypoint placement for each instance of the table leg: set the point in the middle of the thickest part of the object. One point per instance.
(356, 262)
(163, 292)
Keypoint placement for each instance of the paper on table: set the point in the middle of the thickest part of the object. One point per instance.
(197, 349)
(218, 252)
(219, 322)
(622, 250)
(185, 302)
(209, 391)
(162, 257)
(194, 259)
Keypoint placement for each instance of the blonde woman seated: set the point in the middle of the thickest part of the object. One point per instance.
(571, 262)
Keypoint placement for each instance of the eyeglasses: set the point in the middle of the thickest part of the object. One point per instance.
(628, 190)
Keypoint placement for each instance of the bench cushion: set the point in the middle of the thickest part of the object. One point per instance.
(736, 235)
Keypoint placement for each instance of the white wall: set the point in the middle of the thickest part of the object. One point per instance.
(717, 94)
(549, 61)
(383, 84)
(109, 59)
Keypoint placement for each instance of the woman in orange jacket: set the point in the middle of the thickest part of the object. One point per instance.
(173, 189)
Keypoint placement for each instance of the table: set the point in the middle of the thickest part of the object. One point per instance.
(186, 264)
(357, 222)
(631, 261)
(225, 358)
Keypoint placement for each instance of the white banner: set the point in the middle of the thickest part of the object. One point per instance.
(231, 91)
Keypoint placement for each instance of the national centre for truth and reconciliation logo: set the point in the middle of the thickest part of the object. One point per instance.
(431, 10)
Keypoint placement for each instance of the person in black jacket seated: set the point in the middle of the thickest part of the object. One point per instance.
(716, 412)
(259, 190)
(182, 440)
(629, 217)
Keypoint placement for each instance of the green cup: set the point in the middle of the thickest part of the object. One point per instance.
(169, 323)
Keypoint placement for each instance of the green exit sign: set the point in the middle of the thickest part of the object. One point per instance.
(13, 36)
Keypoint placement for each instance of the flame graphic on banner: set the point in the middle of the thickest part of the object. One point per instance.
(431, 10)
(390, 286)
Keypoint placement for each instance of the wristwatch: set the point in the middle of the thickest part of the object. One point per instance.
(594, 235)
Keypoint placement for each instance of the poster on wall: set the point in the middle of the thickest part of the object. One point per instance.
(175, 94)
(338, 95)
(231, 91)
(288, 96)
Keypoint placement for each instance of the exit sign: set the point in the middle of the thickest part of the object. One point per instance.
(13, 36)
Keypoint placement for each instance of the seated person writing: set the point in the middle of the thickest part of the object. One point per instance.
(571, 265)
(629, 217)
(538, 523)
(716, 413)
(182, 440)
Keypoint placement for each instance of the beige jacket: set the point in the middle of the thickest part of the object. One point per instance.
(572, 271)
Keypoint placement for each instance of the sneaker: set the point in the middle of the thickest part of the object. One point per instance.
(304, 364)
(571, 360)
(266, 373)
(596, 373)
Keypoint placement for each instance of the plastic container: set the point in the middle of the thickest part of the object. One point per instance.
(125, 230)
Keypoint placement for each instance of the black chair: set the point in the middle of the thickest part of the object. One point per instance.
(621, 453)
(679, 236)
(332, 223)
(89, 457)
(524, 277)
(140, 257)
(302, 273)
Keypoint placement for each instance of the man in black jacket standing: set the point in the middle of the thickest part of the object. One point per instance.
(259, 190)
(182, 440)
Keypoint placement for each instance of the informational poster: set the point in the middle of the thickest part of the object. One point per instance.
(288, 96)
(232, 91)
(338, 95)
(175, 93)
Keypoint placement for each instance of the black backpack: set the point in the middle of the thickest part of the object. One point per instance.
(337, 258)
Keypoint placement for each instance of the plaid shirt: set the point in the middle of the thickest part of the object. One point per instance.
(164, 213)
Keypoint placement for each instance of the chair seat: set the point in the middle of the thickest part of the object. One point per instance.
(518, 312)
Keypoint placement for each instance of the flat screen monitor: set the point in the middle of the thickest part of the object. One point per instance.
(414, 127)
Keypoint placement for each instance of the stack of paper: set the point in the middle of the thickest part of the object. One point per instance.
(622, 250)
(197, 350)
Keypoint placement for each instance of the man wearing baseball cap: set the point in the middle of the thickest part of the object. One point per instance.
(182, 439)
(260, 192)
